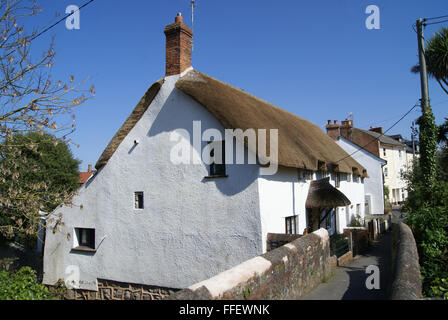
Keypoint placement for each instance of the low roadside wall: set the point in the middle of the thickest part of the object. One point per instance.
(287, 272)
(406, 283)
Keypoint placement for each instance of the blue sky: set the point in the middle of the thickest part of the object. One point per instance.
(315, 59)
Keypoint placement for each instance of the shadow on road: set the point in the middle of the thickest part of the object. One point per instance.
(380, 255)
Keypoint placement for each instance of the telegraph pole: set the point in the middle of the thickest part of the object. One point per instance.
(427, 132)
(423, 71)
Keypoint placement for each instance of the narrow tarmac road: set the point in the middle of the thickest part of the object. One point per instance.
(348, 282)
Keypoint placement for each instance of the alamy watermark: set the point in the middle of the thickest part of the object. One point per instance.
(373, 20)
(73, 22)
(232, 153)
(373, 280)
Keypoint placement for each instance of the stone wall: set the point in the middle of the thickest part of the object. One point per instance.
(406, 284)
(113, 290)
(287, 272)
(360, 238)
(276, 240)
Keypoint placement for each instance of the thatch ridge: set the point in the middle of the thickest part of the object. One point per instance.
(302, 144)
(130, 122)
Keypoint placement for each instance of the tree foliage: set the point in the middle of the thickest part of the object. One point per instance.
(39, 175)
(31, 101)
(436, 56)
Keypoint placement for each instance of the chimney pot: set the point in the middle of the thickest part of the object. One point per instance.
(89, 167)
(335, 121)
(179, 18)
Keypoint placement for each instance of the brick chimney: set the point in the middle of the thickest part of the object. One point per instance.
(178, 46)
(377, 130)
(333, 129)
(346, 129)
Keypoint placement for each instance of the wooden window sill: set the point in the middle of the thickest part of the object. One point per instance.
(216, 176)
(84, 249)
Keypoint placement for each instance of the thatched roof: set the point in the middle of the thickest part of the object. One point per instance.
(130, 122)
(323, 195)
(302, 144)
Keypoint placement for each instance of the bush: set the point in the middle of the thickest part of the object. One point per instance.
(429, 224)
(439, 288)
(23, 285)
(357, 221)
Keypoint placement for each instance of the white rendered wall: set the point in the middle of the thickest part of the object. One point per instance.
(395, 163)
(281, 196)
(374, 183)
(190, 229)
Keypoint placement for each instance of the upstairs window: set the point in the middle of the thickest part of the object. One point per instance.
(386, 172)
(384, 152)
(291, 225)
(349, 177)
(337, 180)
(138, 200)
(217, 161)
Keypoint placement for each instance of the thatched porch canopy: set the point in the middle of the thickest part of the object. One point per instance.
(323, 195)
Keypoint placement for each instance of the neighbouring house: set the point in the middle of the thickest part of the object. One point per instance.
(85, 176)
(412, 149)
(163, 210)
(374, 184)
(395, 152)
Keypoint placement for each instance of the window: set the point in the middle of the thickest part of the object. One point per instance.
(401, 173)
(358, 209)
(291, 225)
(385, 172)
(349, 177)
(355, 178)
(337, 180)
(138, 200)
(399, 154)
(85, 239)
(217, 162)
(384, 152)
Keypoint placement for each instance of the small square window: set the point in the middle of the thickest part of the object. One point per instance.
(138, 200)
(85, 239)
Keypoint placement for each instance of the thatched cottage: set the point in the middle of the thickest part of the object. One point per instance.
(144, 218)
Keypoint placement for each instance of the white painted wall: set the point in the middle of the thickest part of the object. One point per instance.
(395, 163)
(354, 191)
(190, 229)
(282, 195)
(374, 183)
